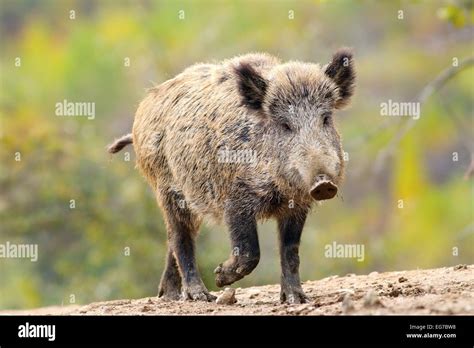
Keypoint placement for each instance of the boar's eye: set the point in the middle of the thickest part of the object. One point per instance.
(326, 119)
(286, 126)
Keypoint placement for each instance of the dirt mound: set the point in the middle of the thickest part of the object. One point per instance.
(435, 291)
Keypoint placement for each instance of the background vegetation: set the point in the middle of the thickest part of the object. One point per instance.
(82, 251)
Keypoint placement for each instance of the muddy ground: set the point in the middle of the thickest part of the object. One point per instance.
(434, 291)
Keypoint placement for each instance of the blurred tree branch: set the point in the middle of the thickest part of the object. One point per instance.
(387, 152)
(465, 137)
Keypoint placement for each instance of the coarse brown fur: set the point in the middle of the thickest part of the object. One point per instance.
(239, 141)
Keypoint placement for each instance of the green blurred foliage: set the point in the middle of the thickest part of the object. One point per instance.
(459, 13)
(82, 250)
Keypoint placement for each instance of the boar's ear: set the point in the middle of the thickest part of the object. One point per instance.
(341, 71)
(252, 86)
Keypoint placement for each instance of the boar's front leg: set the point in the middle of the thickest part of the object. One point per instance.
(290, 229)
(244, 240)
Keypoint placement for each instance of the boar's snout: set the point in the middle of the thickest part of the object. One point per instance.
(323, 189)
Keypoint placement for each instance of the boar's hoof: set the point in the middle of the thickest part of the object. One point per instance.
(169, 294)
(234, 269)
(170, 287)
(197, 293)
(293, 296)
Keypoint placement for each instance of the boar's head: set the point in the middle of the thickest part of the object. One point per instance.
(296, 101)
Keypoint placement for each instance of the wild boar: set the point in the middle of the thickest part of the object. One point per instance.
(248, 139)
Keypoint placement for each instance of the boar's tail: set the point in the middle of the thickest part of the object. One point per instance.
(120, 143)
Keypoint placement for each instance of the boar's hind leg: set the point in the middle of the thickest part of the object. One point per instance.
(182, 227)
(245, 249)
(170, 284)
(290, 229)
